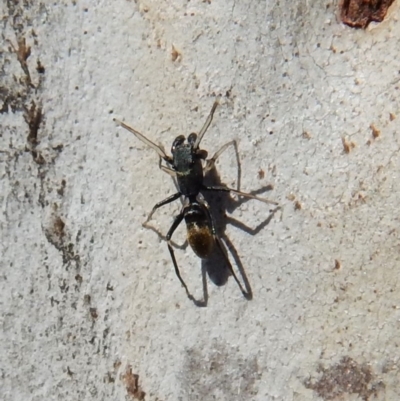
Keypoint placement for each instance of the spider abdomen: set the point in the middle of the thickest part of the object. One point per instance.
(200, 238)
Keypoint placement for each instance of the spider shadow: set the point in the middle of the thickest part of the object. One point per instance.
(221, 203)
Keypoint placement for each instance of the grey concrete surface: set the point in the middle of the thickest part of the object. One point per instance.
(90, 304)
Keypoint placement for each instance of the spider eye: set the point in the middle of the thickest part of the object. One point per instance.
(192, 138)
(177, 142)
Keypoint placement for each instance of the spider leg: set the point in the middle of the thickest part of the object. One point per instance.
(178, 219)
(162, 203)
(166, 169)
(141, 137)
(210, 163)
(206, 125)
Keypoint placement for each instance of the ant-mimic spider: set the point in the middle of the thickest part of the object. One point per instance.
(187, 168)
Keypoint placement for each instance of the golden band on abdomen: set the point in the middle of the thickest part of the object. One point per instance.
(200, 239)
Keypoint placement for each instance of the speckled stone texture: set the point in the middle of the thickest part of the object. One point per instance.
(90, 304)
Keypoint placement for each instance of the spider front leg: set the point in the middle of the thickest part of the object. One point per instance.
(160, 151)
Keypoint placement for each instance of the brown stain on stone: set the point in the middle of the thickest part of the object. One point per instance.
(297, 205)
(33, 117)
(175, 54)
(131, 381)
(59, 226)
(57, 234)
(23, 52)
(376, 133)
(347, 146)
(359, 13)
(346, 377)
